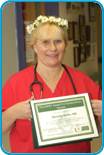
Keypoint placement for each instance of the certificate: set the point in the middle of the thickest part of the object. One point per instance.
(62, 120)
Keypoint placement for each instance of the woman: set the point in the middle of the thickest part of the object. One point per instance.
(48, 40)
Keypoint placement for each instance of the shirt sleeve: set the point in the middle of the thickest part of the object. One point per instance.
(93, 88)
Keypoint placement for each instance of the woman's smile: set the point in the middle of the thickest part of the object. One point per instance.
(53, 55)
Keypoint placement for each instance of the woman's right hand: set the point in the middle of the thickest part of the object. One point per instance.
(22, 110)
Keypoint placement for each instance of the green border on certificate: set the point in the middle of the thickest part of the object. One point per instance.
(62, 120)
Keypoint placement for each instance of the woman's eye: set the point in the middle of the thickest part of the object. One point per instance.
(58, 41)
(45, 42)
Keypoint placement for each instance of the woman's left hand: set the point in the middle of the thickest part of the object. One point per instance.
(97, 107)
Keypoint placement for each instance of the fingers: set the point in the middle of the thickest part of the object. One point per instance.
(29, 113)
(26, 109)
(97, 107)
(97, 112)
(30, 117)
(23, 110)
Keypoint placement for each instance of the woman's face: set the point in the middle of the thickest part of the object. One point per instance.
(50, 45)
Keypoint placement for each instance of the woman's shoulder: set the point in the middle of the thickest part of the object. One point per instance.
(21, 75)
(78, 75)
(74, 71)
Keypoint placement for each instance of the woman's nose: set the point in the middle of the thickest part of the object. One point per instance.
(53, 46)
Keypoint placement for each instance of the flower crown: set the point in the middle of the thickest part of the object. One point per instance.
(43, 19)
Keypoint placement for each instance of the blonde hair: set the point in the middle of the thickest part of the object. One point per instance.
(34, 33)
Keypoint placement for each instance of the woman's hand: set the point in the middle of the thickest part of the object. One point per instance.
(22, 110)
(97, 107)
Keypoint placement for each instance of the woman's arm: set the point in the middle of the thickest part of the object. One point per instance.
(20, 110)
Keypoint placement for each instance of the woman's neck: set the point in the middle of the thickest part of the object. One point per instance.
(50, 73)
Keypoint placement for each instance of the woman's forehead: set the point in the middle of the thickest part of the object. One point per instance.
(49, 31)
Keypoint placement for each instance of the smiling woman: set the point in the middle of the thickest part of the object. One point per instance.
(48, 79)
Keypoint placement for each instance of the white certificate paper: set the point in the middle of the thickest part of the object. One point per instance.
(62, 120)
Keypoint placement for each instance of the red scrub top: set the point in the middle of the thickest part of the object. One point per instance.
(17, 89)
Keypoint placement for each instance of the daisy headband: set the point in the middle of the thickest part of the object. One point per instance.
(44, 19)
